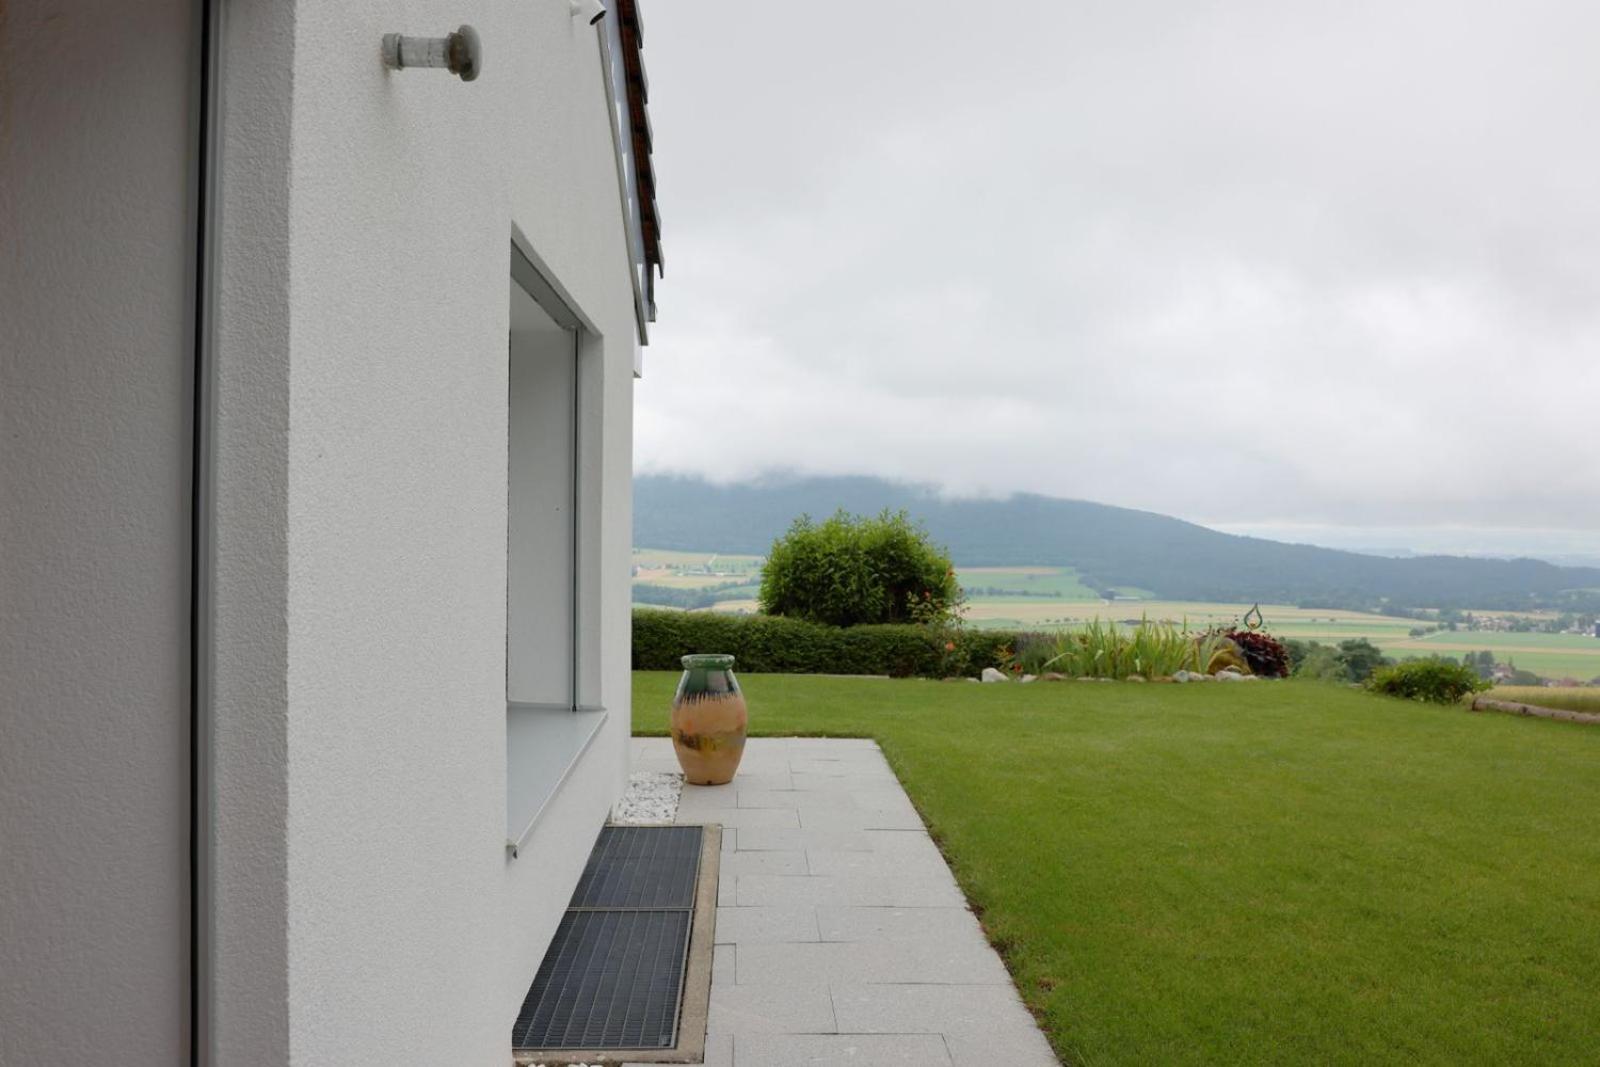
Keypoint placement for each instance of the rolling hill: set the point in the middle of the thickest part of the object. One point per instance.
(1109, 546)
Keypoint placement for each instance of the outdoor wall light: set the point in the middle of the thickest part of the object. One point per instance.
(461, 53)
(591, 11)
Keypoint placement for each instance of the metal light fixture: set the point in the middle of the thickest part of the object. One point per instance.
(591, 11)
(461, 53)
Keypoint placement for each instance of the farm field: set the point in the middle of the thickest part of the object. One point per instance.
(1282, 619)
(1587, 699)
(1010, 584)
(666, 557)
(1550, 655)
(692, 570)
(1043, 598)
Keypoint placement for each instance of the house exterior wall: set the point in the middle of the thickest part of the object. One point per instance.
(380, 279)
(95, 397)
(358, 903)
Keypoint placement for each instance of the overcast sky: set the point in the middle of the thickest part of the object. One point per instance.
(1264, 264)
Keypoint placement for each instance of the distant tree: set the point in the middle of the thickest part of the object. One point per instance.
(687, 599)
(1360, 657)
(1482, 663)
(852, 569)
(1313, 659)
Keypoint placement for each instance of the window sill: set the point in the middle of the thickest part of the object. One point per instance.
(543, 744)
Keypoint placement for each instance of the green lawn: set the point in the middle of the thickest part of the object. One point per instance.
(1262, 873)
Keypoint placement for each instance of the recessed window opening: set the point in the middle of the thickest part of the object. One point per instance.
(552, 504)
(542, 493)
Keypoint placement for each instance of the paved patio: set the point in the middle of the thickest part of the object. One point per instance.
(841, 935)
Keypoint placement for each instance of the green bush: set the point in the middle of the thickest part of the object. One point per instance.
(1436, 681)
(852, 570)
(769, 644)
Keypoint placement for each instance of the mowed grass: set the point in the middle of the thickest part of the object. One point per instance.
(1263, 873)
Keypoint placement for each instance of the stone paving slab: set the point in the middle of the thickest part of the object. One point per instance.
(769, 838)
(739, 864)
(896, 924)
(741, 1010)
(778, 925)
(841, 934)
(882, 1008)
(917, 858)
(818, 1050)
(909, 889)
(880, 962)
(819, 817)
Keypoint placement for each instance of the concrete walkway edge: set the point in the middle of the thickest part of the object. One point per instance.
(841, 934)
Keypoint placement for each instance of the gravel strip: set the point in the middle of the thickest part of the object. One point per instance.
(652, 798)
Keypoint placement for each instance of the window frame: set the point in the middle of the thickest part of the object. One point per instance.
(545, 741)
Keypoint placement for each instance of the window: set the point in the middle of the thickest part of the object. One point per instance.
(552, 444)
(542, 496)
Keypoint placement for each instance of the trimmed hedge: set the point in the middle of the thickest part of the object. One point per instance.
(777, 645)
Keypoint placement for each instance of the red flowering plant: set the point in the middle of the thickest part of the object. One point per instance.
(1264, 653)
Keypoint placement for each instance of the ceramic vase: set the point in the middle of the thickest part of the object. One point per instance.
(709, 719)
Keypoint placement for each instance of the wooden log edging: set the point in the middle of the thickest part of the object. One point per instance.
(1512, 708)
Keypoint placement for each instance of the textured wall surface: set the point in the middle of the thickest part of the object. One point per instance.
(94, 532)
(360, 905)
(410, 936)
(245, 884)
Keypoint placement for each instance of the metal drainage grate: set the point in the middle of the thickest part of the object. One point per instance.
(613, 976)
(641, 867)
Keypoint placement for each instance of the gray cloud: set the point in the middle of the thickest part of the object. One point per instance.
(1240, 262)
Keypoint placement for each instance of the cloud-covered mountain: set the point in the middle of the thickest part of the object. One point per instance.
(1109, 546)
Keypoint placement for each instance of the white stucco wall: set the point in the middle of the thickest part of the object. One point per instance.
(95, 397)
(361, 468)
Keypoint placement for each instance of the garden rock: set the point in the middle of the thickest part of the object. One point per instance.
(1052, 676)
(1029, 677)
(990, 674)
